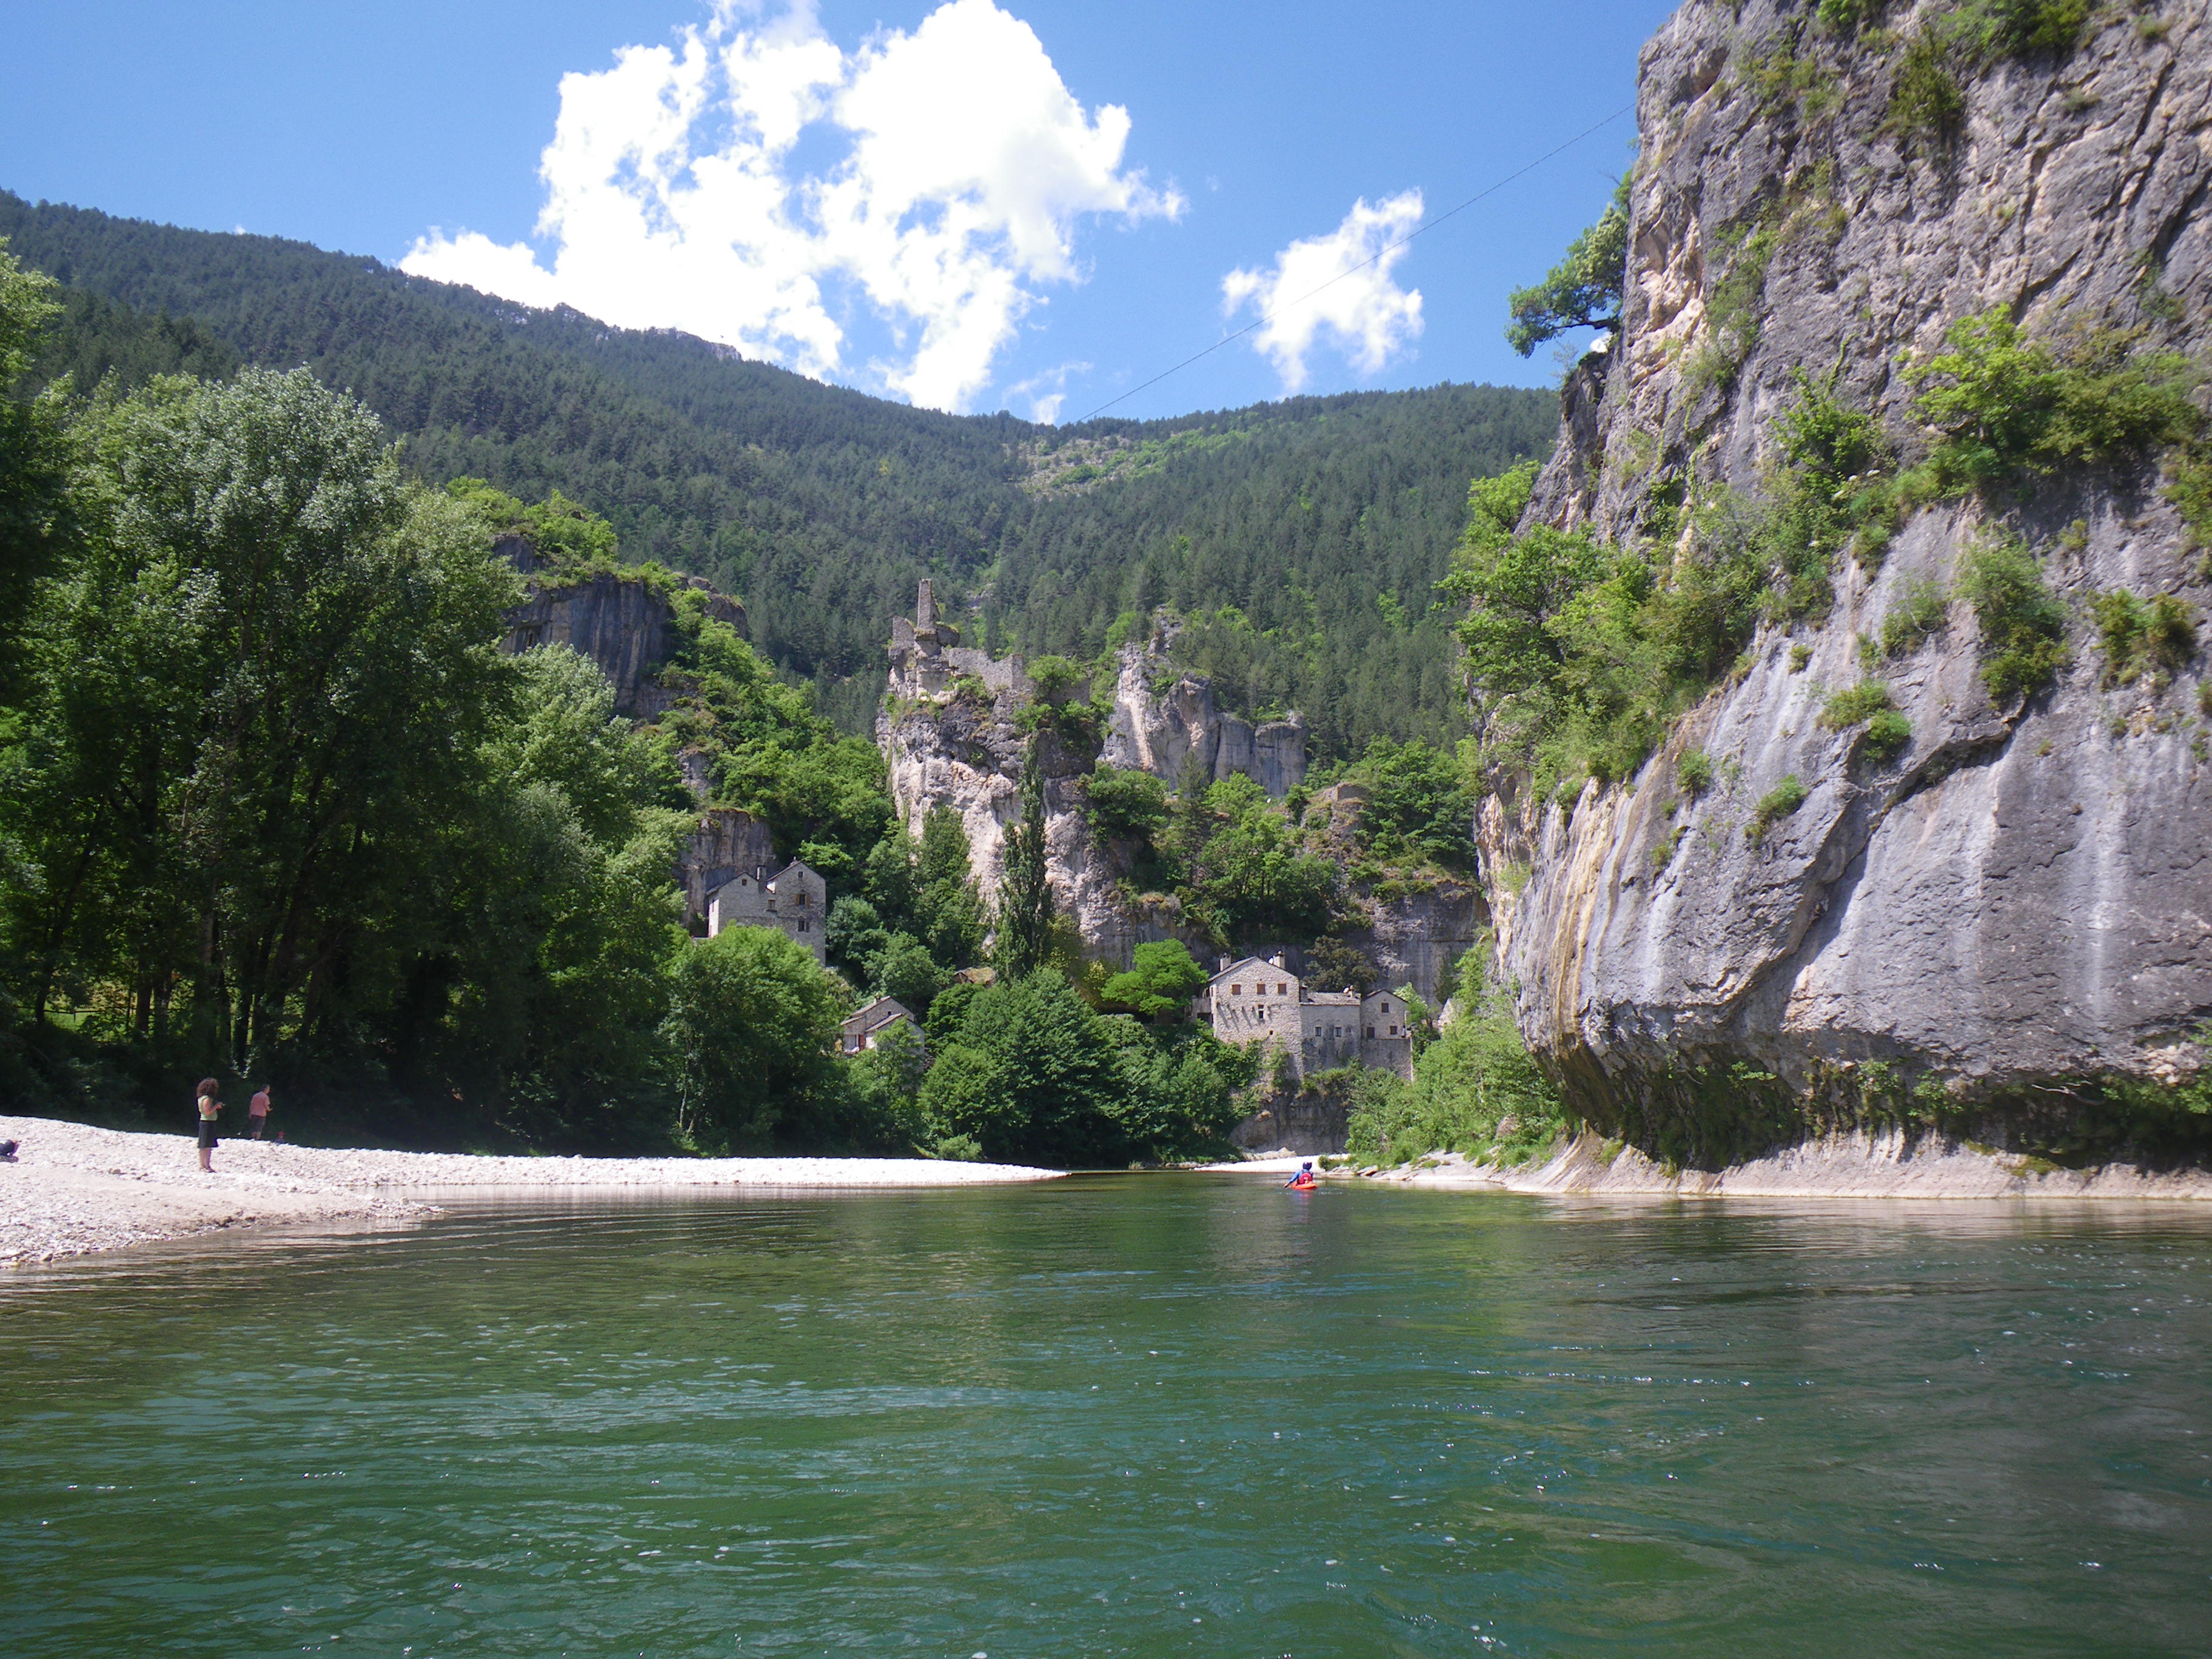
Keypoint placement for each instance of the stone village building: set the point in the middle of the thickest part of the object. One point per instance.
(864, 1027)
(1262, 1001)
(794, 901)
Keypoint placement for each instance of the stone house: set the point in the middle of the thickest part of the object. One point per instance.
(864, 1027)
(1257, 1000)
(794, 901)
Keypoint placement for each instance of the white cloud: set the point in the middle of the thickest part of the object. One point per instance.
(673, 200)
(1367, 313)
(1045, 405)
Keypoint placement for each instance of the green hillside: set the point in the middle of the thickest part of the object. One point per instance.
(1304, 537)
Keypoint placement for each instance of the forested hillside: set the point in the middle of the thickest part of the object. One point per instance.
(1302, 538)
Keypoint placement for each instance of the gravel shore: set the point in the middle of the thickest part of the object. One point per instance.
(75, 1189)
(1861, 1164)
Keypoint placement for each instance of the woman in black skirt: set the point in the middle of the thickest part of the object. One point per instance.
(210, 1108)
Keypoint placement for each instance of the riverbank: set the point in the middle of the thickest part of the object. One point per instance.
(1889, 1164)
(75, 1189)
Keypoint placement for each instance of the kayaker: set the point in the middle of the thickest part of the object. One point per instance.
(1304, 1180)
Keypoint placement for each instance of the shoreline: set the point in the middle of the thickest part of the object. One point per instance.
(1888, 1164)
(75, 1189)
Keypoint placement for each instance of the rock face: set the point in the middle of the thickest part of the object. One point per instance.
(626, 626)
(728, 843)
(624, 623)
(951, 735)
(2025, 895)
(1164, 732)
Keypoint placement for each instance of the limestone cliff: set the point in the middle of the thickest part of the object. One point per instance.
(1165, 720)
(626, 626)
(2024, 895)
(951, 735)
(621, 622)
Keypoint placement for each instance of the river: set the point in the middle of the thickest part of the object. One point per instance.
(1122, 1415)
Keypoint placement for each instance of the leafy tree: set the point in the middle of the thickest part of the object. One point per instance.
(1024, 895)
(855, 934)
(564, 732)
(1418, 806)
(1031, 1074)
(751, 1019)
(262, 686)
(1583, 290)
(1334, 965)
(37, 519)
(1160, 984)
(905, 971)
(1125, 805)
(568, 534)
(923, 890)
(886, 1081)
(1476, 1087)
(1250, 879)
(2009, 407)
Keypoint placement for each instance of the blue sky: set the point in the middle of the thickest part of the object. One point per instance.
(931, 200)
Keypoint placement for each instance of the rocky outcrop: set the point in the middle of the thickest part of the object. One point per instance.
(1162, 721)
(952, 736)
(964, 751)
(626, 624)
(1415, 934)
(623, 623)
(728, 843)
(2024, 895)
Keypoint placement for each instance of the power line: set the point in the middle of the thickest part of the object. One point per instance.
(1427, 224)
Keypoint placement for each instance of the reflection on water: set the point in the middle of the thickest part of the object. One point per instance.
(1121, 1415)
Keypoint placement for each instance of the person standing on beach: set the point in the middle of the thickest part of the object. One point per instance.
(210, 1108)
(256, 1111)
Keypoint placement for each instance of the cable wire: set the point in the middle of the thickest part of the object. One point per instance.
(1352, 271)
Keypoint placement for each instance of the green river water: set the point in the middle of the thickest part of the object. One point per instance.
(1121, 1415)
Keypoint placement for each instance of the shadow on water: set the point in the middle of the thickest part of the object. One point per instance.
(1121, 1415)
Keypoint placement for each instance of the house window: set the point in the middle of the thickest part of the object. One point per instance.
(1235, 990)
(802, 924)
(1370, 1030)
(1282, 990)
(1394, 1031)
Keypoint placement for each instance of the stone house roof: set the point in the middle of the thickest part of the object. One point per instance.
(862, 1027)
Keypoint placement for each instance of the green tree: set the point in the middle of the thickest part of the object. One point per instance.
(1476, 1086)
(1030, 1074)
(262, 686)
(751, 1020)
(1160, 984)
(1250, 878)
(1125, 805)
(904, 970)
(36, 516)
(1419, 807)
(1024, 895)
(1583, 290)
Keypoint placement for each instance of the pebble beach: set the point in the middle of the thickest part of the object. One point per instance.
(75, 1189)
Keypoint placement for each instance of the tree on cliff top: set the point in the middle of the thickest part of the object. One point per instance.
(1583, 290)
